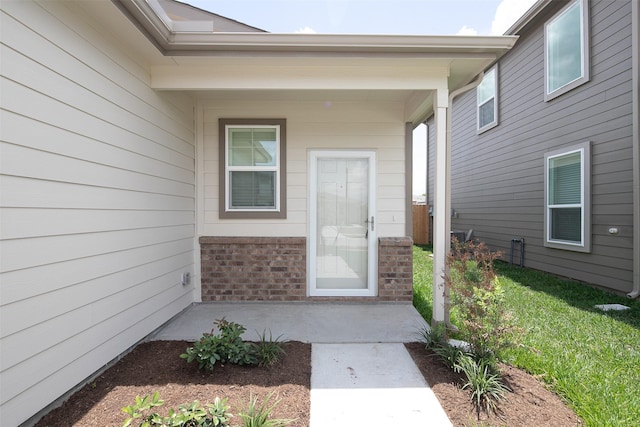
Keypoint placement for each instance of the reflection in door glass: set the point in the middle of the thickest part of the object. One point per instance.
(341, 252)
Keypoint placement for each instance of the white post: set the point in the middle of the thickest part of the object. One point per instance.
(442, 208)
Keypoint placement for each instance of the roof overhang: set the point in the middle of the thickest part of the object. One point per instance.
(195, 38)
(414, 66)
(530, 15)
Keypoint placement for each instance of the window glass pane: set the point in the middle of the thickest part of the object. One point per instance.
(252, 189)
(564, 48)
(487, 88)
(565, 180)
(486, 113)
(252, 147)
(566, 224)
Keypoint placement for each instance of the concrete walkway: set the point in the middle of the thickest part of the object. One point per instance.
(361, 373)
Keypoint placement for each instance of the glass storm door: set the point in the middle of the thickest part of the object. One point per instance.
(342, 223)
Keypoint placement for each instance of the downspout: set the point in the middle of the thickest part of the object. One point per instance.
(426, 183)
(447, 202)
(635, 71)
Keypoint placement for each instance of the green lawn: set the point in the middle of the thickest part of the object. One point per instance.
(589, 357)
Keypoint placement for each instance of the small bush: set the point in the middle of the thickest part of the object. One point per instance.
(226, 347)
(487, 388)
(259, 416)
(451, 355)
(477, 295)
(269, 350)
(192, 415)
(434, 337)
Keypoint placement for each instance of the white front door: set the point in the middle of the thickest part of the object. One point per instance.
(342, 229)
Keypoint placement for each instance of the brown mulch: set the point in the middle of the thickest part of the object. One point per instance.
(156, 366)
(529, 403)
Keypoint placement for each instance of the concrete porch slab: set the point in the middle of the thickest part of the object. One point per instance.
(361, 373)
(305, 322)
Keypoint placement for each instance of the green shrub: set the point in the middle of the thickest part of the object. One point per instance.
(487, 388)
(193, 415)
(259, 416)
(451, 354)
(477, 295)
(226, 347)
(434, 336)
(269, 350)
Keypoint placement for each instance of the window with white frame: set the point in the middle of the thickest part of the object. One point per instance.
(252, 156)
(567, 198)
(567, 49)
(487, 100)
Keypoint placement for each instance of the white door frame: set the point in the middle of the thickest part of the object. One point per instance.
(372, 241)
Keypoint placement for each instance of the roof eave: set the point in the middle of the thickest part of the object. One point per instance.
(529, 15)
(337, 43)
(179, 43)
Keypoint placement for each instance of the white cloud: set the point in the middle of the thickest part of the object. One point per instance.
(306, 30)
(507, 13)
(467, 31)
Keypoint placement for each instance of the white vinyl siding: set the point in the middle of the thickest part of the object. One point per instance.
(567, 49)
(97, 206)
(567, 209)
(487, 100)
(377, 126)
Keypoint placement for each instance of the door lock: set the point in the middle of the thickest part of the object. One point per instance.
(372, 222)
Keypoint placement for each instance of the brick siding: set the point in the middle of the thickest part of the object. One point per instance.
(395, 269)
(274, 269)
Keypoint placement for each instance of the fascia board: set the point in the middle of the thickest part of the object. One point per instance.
(529, 15)
(172, 42)
(261, 42)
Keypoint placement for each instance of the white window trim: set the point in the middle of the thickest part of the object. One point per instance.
(229, 169)
(225, 210)
(494, 123)
(585, 188)
(584, 7)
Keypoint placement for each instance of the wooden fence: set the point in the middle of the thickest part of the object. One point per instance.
(421, 225)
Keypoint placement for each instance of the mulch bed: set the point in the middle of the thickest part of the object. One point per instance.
(529, 404)
(156, 366)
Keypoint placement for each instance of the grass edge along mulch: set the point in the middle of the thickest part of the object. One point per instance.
(588, 357)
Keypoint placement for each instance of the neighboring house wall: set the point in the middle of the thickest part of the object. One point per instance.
(98, 198)
(498, 175)
(310, 125)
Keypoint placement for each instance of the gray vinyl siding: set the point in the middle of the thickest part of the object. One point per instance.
(97, 203)
(498, 176)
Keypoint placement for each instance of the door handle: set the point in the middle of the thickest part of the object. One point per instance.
(372, 222)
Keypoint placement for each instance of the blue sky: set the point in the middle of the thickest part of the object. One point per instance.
(431, 17)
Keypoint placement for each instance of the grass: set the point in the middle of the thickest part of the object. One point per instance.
(589, 357)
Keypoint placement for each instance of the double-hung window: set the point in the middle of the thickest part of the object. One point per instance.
(567, 198)
(567, 49)
(487, 100)
(252, 154)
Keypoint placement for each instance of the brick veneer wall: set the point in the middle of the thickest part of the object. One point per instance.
(395, 269)
(274, 269)
(253, 268)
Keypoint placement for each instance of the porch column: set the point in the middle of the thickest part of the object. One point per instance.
(441, 209)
